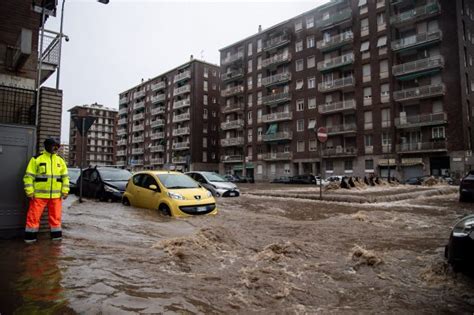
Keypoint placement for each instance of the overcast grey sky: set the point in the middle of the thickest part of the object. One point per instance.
(112, 47)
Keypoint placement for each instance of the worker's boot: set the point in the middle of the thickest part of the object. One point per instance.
(56, 235)
(31, 237)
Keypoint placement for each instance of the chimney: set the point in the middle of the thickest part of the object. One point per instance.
(191, 57)
(260, 28)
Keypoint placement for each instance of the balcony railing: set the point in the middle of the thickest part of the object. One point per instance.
(138, 139)
(181, 117)
(138, 116)
(419, 92)
(435, 62)
(137, 151)
(157, 161)
(340, 129)
(158, 98)
(416, 40)
(182, 103)
(232, 90)
(336, 62)
(439, 145)
(416, 14)
(232, 75)
(340, 151)
(123, 100)
(137, 162)
(232, 159)
(139, 105)
(277, 41)
(138, 128)
(276, 98)
(157, 148)
(182, 90)
(157, 135)
(276, 79)
(181, 145)
(335, 84)
(277, 117)
(158, 110)
(158, 86)
(121, 153)
(139, 94)
(337, 107)
(277, 156)
(278, 136)
(232, 108)
(123, 111)
(179, 160)
(182, 76)
(120, 163)
(335, 18)
(277, 59)
(232, 141)
(232, 58)
(421, 120)
(234, 124)
(181, 131)
(122, 142)
(157, 123)
(335, 41)
(122, 121)
(121, 132)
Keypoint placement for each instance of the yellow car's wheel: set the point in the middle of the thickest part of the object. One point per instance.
(125, 201)
(164, 209)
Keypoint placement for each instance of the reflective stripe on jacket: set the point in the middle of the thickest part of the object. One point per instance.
(46, 176)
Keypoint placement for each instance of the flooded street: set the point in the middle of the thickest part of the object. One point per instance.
(260, 254)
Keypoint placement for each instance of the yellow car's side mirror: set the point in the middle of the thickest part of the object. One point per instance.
(153, 187)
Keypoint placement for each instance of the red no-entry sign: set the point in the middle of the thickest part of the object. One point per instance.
(322, 134)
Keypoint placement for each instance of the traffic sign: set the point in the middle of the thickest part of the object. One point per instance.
(322, 134)
(83, 123)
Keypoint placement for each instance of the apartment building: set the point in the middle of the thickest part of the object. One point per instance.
(64, 152)
(391, 80)
(100, 146)
(171, 121)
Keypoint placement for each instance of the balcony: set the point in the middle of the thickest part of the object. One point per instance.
(123, 101)
(276, 79)
(182, 76)
(121, 153)
(157, 135)
(232, 159)
(341, 129)
(157, 161)
(120, 163)
(181, 90)
(181, 117)
(232, 75)
(139, 94)
(276, 42)
(416, 14)
(387, 148)
(122, 142)
(421, 120)
(157, 123)
(121, 132)
(232, 90)
(138, 139)
(236, 107)
(337, 107)
(335, 18)
(331, 3)
(157, 148)
(409, 70)
(339, 61)
(179, 160)
(158, 110)
(182, 103)
(276, 60)
(277, 156)
(234, 124)
(277, 98)
(278, 136)
(336, 84)
(419, 92)
(181, 145)
(158, 98)
(158, 86)
(138, 128)
(274, 117)
(139, 116)
(417, 147)
(228, 142)
(139, 105)
(181, 131)
(137, 151)
(122, 121)
(123, 111)
(417, 41)
(335, 41)
(339, 151)
(137, 162)
(232, 58)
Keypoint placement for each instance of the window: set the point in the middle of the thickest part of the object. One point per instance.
(364, 47)
(311, 124)
(205, 86)
(204, 99)
(249, 83)
(259, 62)
(309, 21)
(384, 69)
(249, 69)
(329, 166)
(437, 107)
(385, 117)
(259, 169)
(249, 100)
(368, 120)
(249, 135)
(368, 95)
(204, 142)
(259, 45)
(368, 140)
(309, 41)
(369, 165)
(438, 133)
(259, 98)
(348, 166)
(300, 125)
(249, 118)
(214, 86)
(300, 105)
(384, 93)
(299, 84)
(311, 83)
(313, 145)
(386, 140)
(204, 156)
(311, 62)
(381, 25)
(298, 26)
(299, 65)
(312, 103)
(259, 80)
(364, 27)
(300, 146)
(299, 46)
(366, 72)
(206, 72)
(204, 113)
(249, 49)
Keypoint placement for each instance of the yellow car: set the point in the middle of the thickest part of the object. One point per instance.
(172, 193)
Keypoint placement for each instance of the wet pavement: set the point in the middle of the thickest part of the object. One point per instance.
(260, 254)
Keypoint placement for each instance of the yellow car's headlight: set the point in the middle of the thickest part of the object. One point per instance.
(209, 194)
(176, 196)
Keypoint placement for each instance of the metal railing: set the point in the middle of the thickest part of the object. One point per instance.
(122, 142)
(157, 161)
(279, 58)
(238, 123)
(335, 84)
(158, 98)
(335, 18)
(138, 128)
(416, 40)
(232, 108)
(123, 111)
(139, 94)
(121, 132)
(276, 98)
(418, 65)
(232, 75)
(139, 105)
(138, 116)
(121, 153)
(181, 131)
(138, 151)
(138, 139)
(277, 117)
(421, 120)
(440, 145)
(157, 123)
(232, 90)
(336, 62)
(276, 42)
(181, 117)
(339, 151)
(123, 100)
(336, 106)
(158, 110)
(122, 121)
(282, 135)
(182, 103)
(232, 158)
(157, 148)
(184, 75)
(275, 156)
(419, 92)
(181, 145)
(345, 128)
(335, 41)
(414, 14)
(232, 58)
(158, 86)
(179, 160)
(277, 78)
(232, 141)
(181, 90)
(157, 135)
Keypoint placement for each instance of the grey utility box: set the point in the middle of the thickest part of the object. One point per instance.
(16, 149)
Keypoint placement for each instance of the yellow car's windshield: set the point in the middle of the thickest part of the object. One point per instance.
(177, 181)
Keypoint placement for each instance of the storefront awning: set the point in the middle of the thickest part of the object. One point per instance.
(387, 162)
(411, 161)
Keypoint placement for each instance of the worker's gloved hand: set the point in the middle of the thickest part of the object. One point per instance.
(65, 196)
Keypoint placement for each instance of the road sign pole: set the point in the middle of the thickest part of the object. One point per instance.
(322, 135)
(83, 136)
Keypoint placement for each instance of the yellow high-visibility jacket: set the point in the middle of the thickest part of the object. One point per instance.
(46, 176)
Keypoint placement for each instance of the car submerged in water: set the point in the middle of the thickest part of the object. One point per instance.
(216, 184)
(103, 183)
(460, 248)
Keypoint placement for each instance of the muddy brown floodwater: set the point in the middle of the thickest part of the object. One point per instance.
(260, 254)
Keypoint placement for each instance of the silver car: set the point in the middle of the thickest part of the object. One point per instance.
(216, 184)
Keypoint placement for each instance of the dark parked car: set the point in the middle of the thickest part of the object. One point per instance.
(466, 188)
(303, 179)
(414, 180)
(281, 180)
(73, 173)
(460, 249)
(238, 178)
(104, 183)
